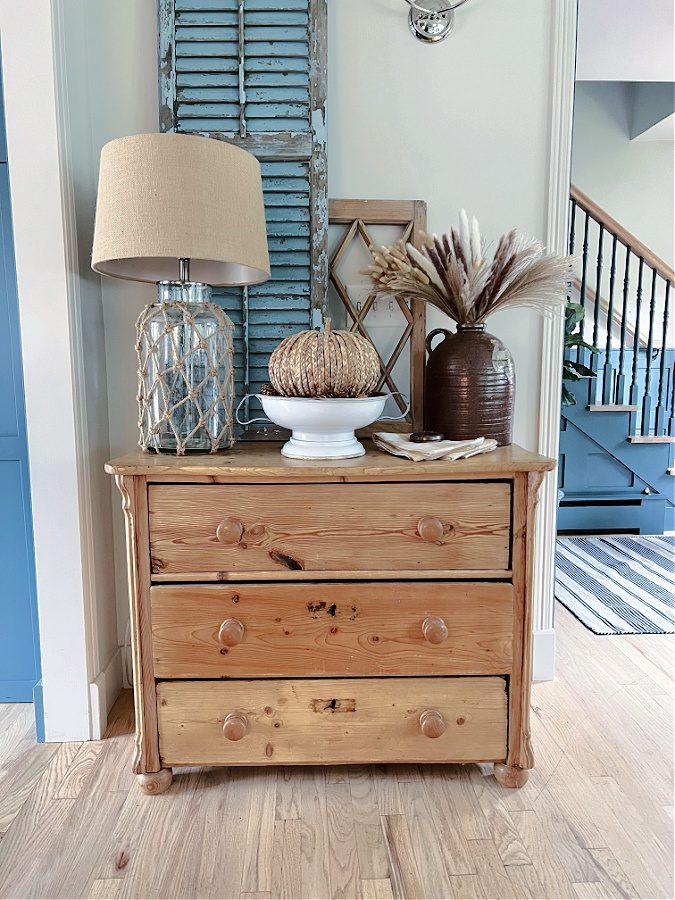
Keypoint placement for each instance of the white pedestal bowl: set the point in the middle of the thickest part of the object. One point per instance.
(321, 429)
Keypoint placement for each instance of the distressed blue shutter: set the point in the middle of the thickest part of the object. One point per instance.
(253, 72)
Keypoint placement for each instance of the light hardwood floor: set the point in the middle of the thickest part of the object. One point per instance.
(595, 819)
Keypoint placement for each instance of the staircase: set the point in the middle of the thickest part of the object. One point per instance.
(617, 442)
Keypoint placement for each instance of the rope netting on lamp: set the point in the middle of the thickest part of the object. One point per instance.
(185, 377)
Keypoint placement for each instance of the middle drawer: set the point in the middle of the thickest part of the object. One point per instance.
(291, 630)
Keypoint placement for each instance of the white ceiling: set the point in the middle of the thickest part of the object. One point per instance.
(626, 40)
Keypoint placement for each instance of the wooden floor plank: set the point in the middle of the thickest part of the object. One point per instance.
(343, 860)
(314, 834)
(491, 873)
(428, 848)
(224, 815)
(405, 877)
(371, 846)
(21, 778)
(257, 849)
(376, 889)
(79, 770)
(592, 890)
(502, 829)
(289, 780)
(386, 787)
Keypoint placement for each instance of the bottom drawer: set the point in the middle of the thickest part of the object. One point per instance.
(325, 721)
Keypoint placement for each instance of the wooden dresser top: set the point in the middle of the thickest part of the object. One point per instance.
(263, 461)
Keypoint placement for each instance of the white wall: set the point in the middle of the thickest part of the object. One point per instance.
(462, 124)
(97, 39)
(122, 38)
(631, 180)
(624, 40)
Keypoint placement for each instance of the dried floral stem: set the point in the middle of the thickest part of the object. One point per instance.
(452, 273)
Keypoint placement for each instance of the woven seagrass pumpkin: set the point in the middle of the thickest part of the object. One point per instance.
(324, 364)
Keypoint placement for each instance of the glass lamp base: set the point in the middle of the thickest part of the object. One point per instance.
(185, 372)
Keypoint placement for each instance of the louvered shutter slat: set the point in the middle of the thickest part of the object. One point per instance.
(267, 105)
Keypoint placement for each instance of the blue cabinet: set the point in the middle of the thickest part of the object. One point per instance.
(19, 647)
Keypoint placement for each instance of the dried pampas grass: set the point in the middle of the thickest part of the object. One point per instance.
(453, 273)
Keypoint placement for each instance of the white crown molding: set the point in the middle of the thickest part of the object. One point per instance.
(562, 108)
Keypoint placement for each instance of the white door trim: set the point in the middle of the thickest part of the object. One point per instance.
(41, 219)
(562, 108)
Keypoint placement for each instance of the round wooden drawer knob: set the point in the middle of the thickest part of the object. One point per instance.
(231, 633)
(435, 630)
(432, 723)
(235, 726)
(229, 531)
(430, 529)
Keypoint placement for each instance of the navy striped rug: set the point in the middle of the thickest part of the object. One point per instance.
(618, 585)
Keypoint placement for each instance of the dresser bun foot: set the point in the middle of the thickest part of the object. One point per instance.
(153, 783)
(511, 776)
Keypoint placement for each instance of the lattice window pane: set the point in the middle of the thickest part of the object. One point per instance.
(398, 333)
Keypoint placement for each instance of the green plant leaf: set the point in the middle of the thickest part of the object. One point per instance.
(581, 369)
(574, 314)
(590, 347)
(568, 398)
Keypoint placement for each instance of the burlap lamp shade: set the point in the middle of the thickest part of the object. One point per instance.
(163, 197)
(186, 212)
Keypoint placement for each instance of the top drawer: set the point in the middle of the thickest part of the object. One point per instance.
(338, 529)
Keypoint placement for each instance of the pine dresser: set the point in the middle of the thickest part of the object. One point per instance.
(366, 610)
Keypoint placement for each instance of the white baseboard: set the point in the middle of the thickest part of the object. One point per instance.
(102, 694)
(543, 656)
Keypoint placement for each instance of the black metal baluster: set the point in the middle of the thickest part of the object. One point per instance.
(571, 244)
(647, 396)
(598, 297)
(634, 389)
(671, 417)
(660, 418)
(582, 289)
(608, 371)
(621, 377)
(573, 227)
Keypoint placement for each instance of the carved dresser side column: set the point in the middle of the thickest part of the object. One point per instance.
(152, 778)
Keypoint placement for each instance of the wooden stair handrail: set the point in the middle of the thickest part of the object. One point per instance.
(629, 240)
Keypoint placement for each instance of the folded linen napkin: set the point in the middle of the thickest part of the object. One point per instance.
(401, 445)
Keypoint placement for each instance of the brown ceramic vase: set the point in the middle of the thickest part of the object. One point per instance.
(469, 386)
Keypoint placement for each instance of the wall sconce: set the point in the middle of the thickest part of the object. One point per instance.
(432, 21)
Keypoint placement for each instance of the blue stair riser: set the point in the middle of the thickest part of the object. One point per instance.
(646, 516)
(610, 431)
(609, 483)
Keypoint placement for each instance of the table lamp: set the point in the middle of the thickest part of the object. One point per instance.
(185, 212)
